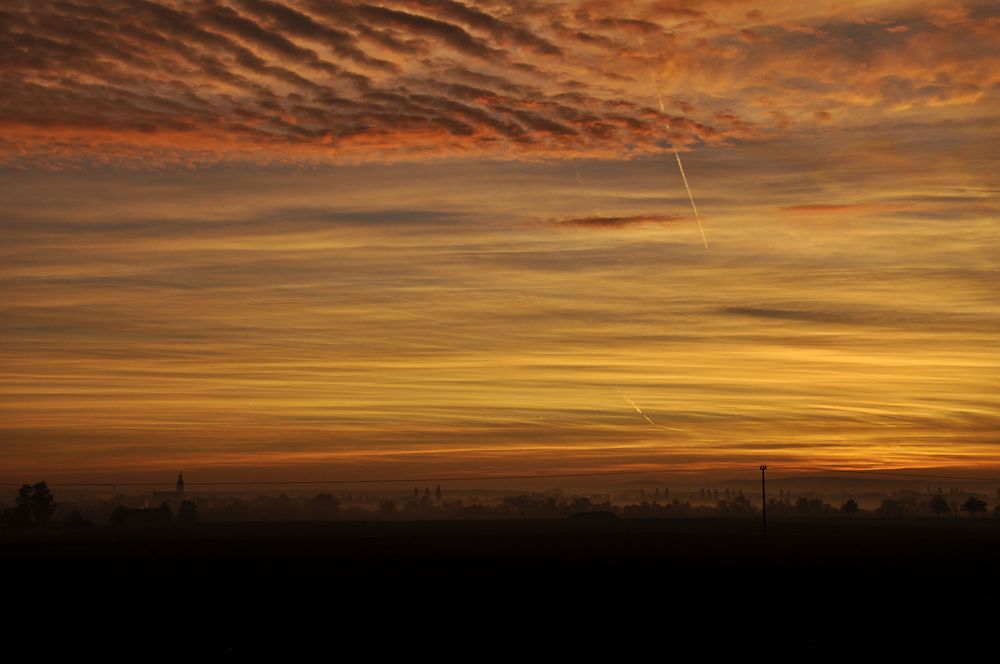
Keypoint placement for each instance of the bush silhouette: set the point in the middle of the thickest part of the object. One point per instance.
(973, 506)
(187, 512)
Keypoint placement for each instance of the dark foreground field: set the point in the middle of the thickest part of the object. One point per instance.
(684, 558)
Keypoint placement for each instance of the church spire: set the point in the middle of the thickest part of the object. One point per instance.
(180, 484)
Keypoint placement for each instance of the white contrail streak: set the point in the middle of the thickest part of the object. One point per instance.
(677, 154)
(637, 409)
(694, 207)
(644, 416)
(680, 165)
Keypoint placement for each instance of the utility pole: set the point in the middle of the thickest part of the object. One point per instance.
(763, 499)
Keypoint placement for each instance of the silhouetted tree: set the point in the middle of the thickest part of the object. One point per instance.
(850, 507)
(891, 507)
(187, 512)
(43, 504)
(387, 506)
(974, 505)
(22, 505)
(782, 507)
(324, 505)
(738, 506)
(939, 505)
(34, 504)
(811, 506)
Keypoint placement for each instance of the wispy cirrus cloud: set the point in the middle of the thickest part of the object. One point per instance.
(439, 318)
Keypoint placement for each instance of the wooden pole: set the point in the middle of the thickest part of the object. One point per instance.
(763, 499)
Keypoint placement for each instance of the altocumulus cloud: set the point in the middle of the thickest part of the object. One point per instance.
(189, 82)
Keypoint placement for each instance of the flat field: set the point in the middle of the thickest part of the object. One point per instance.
(677, 558)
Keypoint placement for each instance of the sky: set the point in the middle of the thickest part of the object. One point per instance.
(399, 238)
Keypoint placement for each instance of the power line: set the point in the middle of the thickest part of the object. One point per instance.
(486, 478)
(927, 476)
(358, 481)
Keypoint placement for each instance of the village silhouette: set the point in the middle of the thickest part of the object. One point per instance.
(35, 505)
(638, 539)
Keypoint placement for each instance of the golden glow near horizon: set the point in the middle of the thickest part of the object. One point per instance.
(212, 286)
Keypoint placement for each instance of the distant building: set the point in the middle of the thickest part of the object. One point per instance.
(176, 494)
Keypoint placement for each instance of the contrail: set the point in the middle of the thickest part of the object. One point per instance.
(637, 409)
(677, 154)
(680, 167)
(644, 416)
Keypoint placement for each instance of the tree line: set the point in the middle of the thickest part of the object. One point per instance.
(35, 505)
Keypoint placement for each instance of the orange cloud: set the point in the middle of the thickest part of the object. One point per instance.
(274, 80)
(601, 222)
